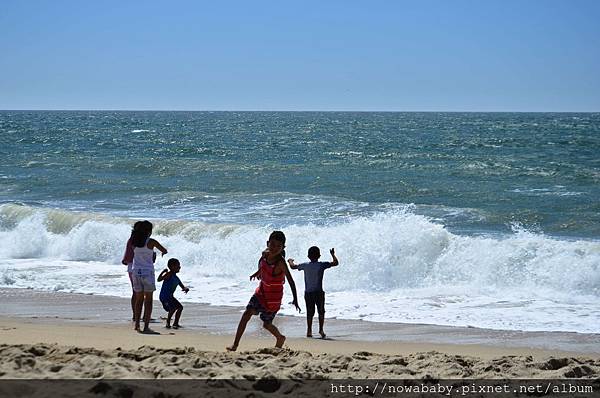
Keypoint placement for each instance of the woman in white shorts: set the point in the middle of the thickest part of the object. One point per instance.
(142, 272)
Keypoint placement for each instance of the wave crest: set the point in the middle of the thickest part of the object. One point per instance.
(387, 251)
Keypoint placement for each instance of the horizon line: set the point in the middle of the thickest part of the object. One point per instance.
(288, 110)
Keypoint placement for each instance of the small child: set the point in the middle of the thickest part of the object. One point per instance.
(313, 286)
(170, 283)
(266, 301)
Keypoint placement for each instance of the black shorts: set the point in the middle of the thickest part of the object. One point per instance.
(313, 299)
(255, 305)
(171, 304)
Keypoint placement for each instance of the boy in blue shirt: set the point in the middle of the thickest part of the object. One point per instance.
(313, 286)
(170, 283)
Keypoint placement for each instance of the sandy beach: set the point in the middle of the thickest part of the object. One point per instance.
(72, 336)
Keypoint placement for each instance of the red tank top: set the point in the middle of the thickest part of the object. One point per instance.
(270, 289)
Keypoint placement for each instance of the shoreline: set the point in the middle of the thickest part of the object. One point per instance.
(61, 310)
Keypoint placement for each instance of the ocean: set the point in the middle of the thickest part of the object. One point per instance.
(489, 220)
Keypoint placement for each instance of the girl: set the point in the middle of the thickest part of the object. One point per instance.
(142, 271)
(272, 271)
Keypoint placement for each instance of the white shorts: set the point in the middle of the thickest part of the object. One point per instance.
(143, 281)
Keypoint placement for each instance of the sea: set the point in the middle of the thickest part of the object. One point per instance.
(487, 220)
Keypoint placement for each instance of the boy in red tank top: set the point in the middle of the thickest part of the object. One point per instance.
(272, 272)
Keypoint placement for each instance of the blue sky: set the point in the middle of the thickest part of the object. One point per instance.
(450, 55)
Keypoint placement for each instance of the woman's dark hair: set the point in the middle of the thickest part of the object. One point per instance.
(135, 226)
(141, 231)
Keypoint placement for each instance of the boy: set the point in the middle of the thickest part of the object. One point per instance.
(313, 286)
(170, 283)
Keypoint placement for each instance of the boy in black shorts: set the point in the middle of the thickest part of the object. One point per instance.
(313, 286)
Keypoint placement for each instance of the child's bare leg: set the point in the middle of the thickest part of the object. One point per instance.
(147, 310)
(139, 302)
(169, 315)
(309, 319)
(177, 316)
(275, 332)
(310, 312)
(321, 322)
(241, 328)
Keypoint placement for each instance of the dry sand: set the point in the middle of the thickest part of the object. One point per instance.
(44, 360)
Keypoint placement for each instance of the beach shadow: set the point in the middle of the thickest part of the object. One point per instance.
(149, 332)
(321, 338)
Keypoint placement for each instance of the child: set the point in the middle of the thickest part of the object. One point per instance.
(272, 271)
(170, 283)
(143, 272)
(313, 286)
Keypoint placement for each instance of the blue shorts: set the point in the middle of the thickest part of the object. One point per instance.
(265, 316)
(171, 304)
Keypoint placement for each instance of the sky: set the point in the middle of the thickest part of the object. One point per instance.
(446, 55)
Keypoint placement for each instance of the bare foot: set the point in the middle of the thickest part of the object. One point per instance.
(177, 326)
(231, 348)
(308, 334)
(168, 326)
(322, 333)
(280, 341)
(136, 327)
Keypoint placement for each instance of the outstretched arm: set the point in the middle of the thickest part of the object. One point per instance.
(157, 245)
(185, 289)
(335, 260)
(292, 264)
(255, 275)
(292, 286)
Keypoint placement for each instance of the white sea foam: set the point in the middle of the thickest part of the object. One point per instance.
(395, 266)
